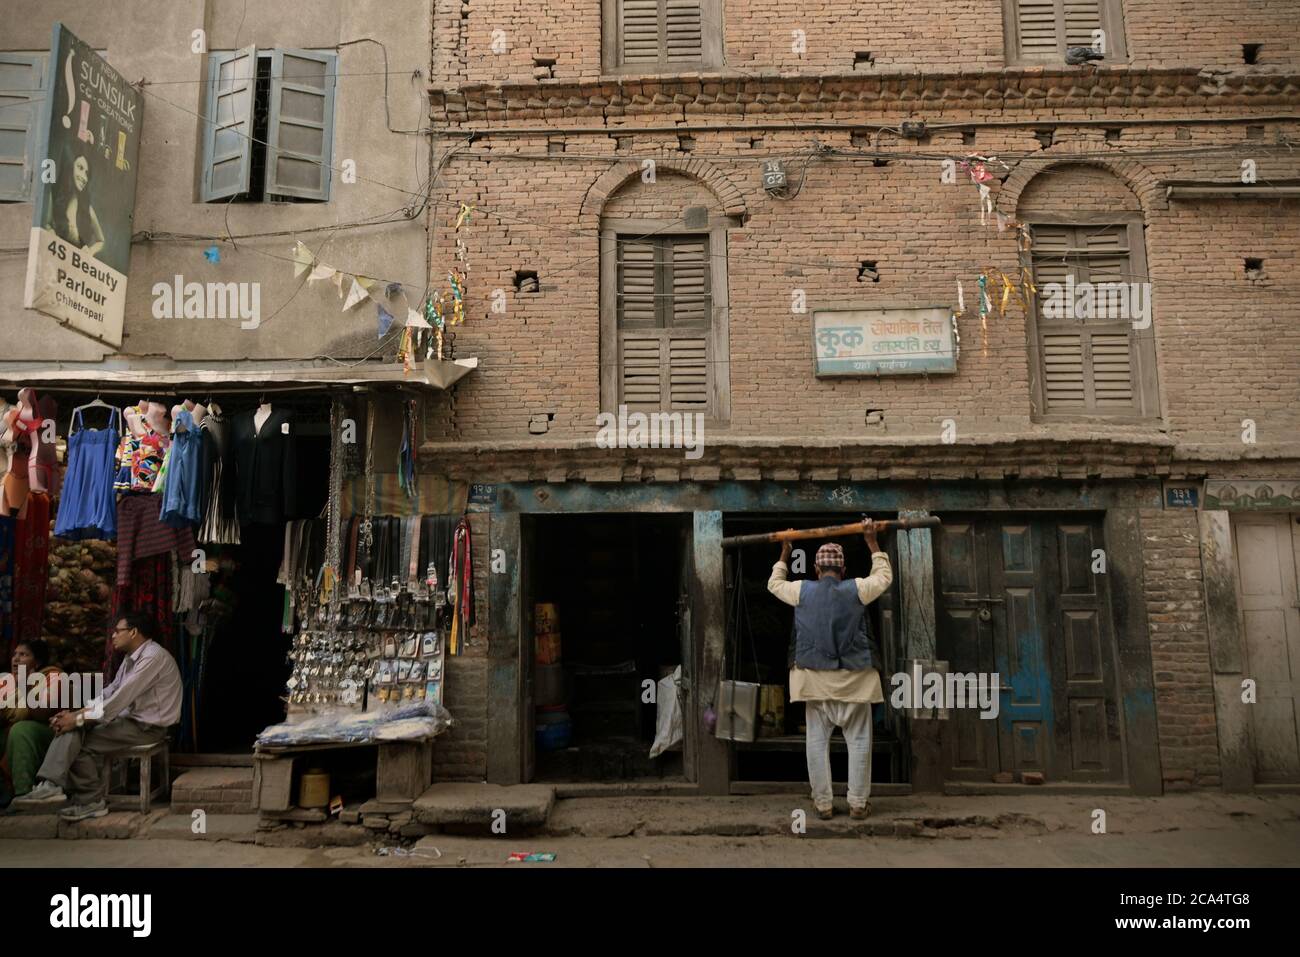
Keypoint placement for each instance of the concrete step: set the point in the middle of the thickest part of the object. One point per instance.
(220, 790)
(525, 805)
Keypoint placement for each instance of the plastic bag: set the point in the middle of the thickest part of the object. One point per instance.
(668, 716)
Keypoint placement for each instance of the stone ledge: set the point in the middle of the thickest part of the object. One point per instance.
(525, 805)
(772, 94)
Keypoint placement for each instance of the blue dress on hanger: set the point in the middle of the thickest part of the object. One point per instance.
(181, 492)
(88, 506)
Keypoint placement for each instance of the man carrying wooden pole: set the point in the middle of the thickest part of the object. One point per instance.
(833, 668)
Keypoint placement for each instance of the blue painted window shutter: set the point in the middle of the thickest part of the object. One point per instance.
(21, 79)
(228, 126)
(301, 131)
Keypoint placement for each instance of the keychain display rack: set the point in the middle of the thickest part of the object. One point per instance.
(382, 646)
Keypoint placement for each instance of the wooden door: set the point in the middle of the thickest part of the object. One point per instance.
(1268, 553)
(1084, 661)
(964, 641)
(1017, 582)
(1018, 596)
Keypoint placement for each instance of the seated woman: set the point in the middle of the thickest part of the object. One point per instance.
(25, 733)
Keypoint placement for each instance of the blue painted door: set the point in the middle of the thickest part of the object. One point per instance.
(1026, 597)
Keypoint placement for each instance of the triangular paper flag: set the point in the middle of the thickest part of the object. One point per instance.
(321, 271)
(357, 293)
(302, 259)
(385, 320)
(416, 321)
(339, 279)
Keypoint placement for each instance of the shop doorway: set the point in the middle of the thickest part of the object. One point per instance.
(1268, 556)
(759, 651)
(239, 684)
(1018, 595)
(606, 616)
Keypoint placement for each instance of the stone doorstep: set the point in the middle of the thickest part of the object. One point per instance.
(525, 805)
(214, 779)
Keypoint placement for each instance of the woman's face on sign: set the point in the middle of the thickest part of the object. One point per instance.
(81, 172)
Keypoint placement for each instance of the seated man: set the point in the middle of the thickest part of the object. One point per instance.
(137, 708)
(25, 732)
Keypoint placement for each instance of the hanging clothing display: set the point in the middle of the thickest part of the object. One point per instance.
(6, 442)
(182, 490)
(31, 567)
(147, 460)
(266, 468)
(217, 475)
(87, 508)
(141, 534)
(461, 590)
(7, 555)
(147, 590)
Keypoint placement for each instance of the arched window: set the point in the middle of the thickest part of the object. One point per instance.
(1092, 342)
(664, 338)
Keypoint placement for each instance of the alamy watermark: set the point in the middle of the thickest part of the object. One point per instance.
(60, 691)
(1123, 301)
(652, 430)
(919, 688)
(209, 300)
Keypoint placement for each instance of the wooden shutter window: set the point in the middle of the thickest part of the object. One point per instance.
(1082, 18)
(655, 33)
(641, 361)
(1036, 28)
(665, 308)
(21, 79)
(228, 130)
(684, 31)
(639, 30)
(688, 372)
(689, 282)
(1089, 364)
(1045, 29)
(637, 305)
(301, 130)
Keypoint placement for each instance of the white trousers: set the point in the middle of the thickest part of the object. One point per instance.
(854, 719)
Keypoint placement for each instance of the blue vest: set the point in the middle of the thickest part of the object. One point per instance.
(831, 627)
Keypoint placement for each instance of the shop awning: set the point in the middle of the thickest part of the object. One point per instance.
(431, 375)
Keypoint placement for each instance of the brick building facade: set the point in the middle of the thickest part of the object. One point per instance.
(602, 145)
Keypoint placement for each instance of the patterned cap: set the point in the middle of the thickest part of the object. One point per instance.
(830, 555)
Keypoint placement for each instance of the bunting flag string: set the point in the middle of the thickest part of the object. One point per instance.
(426, 327)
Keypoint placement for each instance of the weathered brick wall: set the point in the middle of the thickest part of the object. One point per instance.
(1180, 654)
(1226, 345)
(758, 36)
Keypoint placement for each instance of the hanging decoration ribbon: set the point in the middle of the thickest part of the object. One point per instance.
(986, 306)
(406, 454)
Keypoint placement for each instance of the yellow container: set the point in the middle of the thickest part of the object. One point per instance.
(314, 788)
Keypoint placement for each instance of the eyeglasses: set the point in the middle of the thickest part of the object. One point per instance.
(118, 631)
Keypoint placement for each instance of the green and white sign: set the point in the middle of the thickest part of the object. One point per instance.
(888, 341)
(80, 249)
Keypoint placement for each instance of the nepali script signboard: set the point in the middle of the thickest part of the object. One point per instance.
(89, 139)
(889, 341)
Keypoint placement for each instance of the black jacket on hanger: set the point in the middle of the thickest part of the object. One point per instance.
(266, 468)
